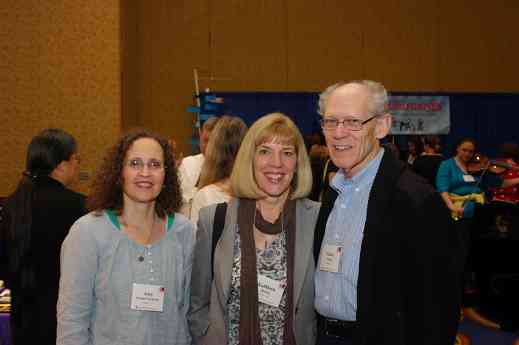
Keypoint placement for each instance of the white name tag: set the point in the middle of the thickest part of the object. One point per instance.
(330, 258)
(147, 297)
(270, 290)
(469, 178)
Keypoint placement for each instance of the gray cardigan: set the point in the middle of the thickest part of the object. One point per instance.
(207, 316)
(99, 264)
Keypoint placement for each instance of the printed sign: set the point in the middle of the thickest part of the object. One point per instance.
(419, 114)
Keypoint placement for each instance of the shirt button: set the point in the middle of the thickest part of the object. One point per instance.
(150, 262)
(357, 189)
(343, 205)
(326, 298)
(151, 270)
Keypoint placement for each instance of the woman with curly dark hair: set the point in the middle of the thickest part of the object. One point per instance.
(126, 266)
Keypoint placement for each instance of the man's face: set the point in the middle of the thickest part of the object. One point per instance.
(352, 150)
(71, 171)
(204, 139)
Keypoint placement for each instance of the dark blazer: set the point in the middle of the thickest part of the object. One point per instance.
(408, 290)
(54, 210)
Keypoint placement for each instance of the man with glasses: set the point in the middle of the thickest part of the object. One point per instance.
(383, 248)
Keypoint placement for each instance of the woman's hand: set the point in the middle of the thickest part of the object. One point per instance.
(457, 209)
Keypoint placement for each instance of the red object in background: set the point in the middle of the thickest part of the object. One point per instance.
(508, 194)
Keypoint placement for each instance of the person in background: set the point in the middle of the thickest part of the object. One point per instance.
(392, 148)
(383, 242)
(126, 266)
(262, 289)
(191, 166)
(177, 155)
(460, 191)
(414, 149)
(428, 162)
(36, 219)
(320, 163)
(454, 180)
(506, 165)
(223, 146)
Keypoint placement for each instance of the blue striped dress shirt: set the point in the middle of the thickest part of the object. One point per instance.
(336, 293)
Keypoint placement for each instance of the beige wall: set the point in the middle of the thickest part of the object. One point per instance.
(59, 67)
(305, 45)
(62, 63)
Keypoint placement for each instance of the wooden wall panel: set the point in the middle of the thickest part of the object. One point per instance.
(18, 71)
(61, 67)
(324, 43)
(303, 45)
(401, 44)
(173, 38)
(478, 45)
(129, 64)
(248, 45)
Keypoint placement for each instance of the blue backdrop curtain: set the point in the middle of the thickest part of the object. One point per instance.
(489, 118)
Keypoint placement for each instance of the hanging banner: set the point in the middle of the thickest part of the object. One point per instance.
(419, 114)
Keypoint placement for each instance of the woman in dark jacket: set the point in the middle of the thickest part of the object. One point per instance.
(35, 220)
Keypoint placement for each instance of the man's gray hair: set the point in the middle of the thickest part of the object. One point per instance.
(377, 104)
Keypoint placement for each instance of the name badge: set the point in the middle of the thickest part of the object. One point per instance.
(330, 258)
(270, 290)
(469, 178)
(147, 297)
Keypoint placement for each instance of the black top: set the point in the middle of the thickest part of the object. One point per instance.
(55, 208)
(427, 167)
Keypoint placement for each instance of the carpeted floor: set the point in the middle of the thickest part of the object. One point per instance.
(479, 335)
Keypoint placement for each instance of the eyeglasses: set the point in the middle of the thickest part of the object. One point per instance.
(138, 164)
(331, 123)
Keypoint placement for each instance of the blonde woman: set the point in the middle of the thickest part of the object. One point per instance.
(263, 263)
(223, 146)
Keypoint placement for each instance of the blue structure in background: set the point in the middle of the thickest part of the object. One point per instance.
(210, 105)
(489, 118)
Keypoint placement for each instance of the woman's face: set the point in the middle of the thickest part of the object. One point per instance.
(143, 172)
(465, 151)
(274, 167)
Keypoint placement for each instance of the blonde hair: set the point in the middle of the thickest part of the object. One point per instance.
(278, 128)
(222, 148)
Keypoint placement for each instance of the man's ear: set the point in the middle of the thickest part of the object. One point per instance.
(383, 125)
(60, 170)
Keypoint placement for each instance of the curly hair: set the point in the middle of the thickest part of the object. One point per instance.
(107, 191)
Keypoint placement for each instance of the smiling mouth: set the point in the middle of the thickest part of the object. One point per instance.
(143, 184)
(274, 178)
(342, 147)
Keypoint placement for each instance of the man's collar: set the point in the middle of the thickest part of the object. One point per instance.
(367, 173)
